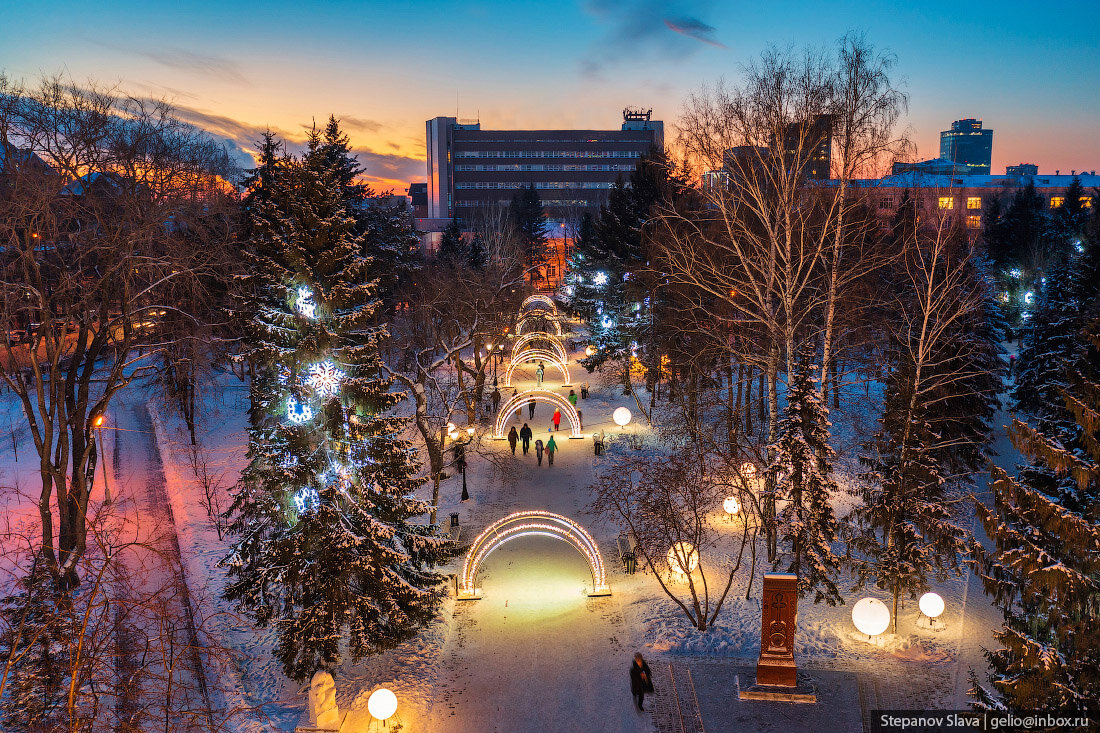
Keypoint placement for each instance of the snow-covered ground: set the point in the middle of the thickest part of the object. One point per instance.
(536, 653)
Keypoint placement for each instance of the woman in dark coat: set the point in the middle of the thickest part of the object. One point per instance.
(641, 681)
(513, 438)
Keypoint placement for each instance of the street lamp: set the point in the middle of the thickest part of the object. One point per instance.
(98, 424)
(459, 446)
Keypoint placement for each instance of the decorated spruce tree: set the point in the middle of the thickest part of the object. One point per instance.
(327, 549)
(803, 479)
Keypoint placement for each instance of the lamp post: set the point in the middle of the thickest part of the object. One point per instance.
(98, 424)
(459, 446)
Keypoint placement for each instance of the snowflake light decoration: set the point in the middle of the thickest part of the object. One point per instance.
(298, 412)
(325, 378)
(600, 278)
(304, 303)
(306, 499)
(288, 461)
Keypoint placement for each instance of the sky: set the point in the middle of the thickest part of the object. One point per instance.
(1030, 71)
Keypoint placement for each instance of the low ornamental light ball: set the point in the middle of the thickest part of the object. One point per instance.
(871, 616)
(590, 350)
(382, 704)
(683, 554)
(931, 605)
(748, 470)
(731, 505)
(621, 416)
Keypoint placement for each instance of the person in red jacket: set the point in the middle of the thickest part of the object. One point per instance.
(557, 418)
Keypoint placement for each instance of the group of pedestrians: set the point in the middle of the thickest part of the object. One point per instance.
(523, 437)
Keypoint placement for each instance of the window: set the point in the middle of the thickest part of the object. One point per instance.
(947, 202)
(973, 202)
(973, 221)
(1086, 202)
(885, 202)
(1056, 201)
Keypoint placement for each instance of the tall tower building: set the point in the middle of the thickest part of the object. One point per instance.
(967, 144)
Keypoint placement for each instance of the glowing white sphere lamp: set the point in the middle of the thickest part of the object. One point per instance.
(731, 505)
(590, 350)
(931, 605)
(621, 416)
(683, 555)
(871, 616)
(382, 704)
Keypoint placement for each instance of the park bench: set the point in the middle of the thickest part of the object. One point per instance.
(627, 547)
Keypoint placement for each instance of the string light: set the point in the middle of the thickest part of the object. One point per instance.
(325, 378)
(532, 523)
(304, 303)
(306, 499)
(532, 354)
(297, 412)
(539, 395)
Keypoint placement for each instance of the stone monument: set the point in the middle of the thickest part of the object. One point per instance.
(322, 714)
(776, 671)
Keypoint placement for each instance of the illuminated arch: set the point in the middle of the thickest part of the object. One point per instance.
(545, 300)
(538, 395)
(549, 316)
(524, 524)
(541, 354)
(522, 344)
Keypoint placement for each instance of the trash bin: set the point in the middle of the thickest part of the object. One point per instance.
(454, 519)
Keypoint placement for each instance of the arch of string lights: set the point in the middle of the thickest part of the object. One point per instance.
(532, 338)
(534, 315)
(532, 354)
(545, 301)
(525, 524)
(538, 395)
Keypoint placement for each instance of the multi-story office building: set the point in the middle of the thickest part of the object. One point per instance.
(966, 143)
(572, 170)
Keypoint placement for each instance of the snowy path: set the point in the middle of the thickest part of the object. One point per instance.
(153, 571)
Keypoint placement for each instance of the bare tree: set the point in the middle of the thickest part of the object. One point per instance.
(669, 506)
(436, 344)
(97, 192)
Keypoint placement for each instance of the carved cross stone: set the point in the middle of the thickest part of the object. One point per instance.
(776, 665)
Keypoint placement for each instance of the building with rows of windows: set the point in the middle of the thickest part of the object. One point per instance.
(572, 170)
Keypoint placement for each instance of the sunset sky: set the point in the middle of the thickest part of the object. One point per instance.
(1030, 70)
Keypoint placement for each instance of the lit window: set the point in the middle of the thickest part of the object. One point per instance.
(947, 202)
(973, 222)
(1056, 201)
(973, 202)
(1086, 202)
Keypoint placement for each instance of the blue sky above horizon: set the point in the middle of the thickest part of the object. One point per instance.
(1030, 72)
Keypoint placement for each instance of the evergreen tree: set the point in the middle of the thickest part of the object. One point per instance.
(803, 477)
(326, 548)
(458, 251)
(1071, 216)
(1044, 569)
(39, 630)
(527, 217)
(335, 148)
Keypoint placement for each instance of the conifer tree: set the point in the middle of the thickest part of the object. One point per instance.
(803, 477)
(458, 251)
(1044, 569)
(38, 632)
(326, 548)
(526, 215)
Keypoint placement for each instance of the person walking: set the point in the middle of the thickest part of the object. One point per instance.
(580, 419)
(584, 390)
(572, 398)
(513, 438)
(525, 436)
(641, 681)
(531, 410)
(557, 418)
(551, 447)
(595, 444)
(539, 373)
(538, 450)
(496, 400)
